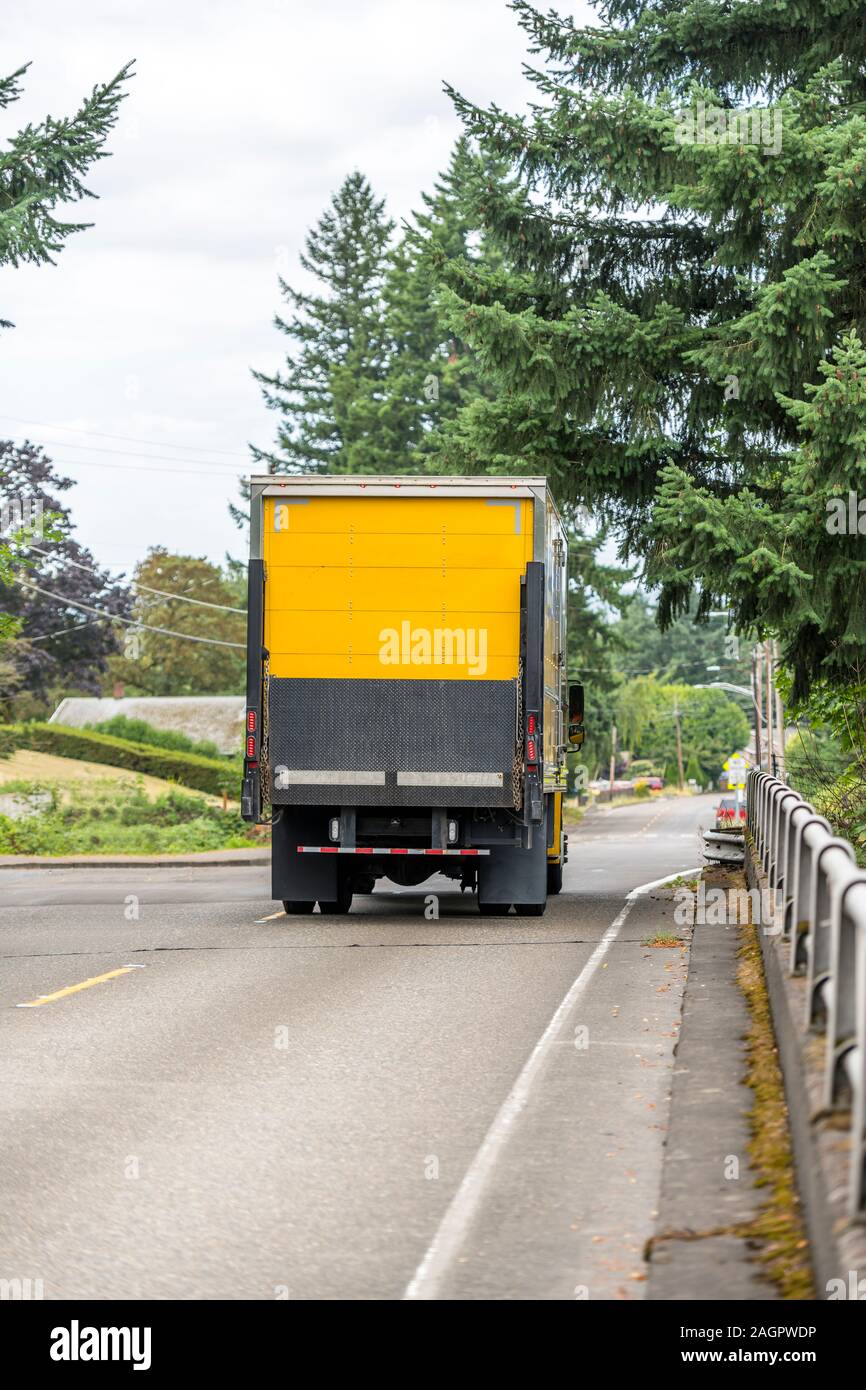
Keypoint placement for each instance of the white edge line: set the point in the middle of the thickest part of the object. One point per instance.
(464, 1205)
(660, 882)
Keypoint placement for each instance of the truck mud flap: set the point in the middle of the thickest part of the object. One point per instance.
(515, 875)
(301, 876)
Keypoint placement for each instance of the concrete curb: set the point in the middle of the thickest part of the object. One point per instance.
(696, 1252)
(205, 859)
(821, 1157)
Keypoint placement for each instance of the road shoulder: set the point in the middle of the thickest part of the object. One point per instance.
(709, 1194)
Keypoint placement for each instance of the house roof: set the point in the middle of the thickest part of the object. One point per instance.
(217, 718)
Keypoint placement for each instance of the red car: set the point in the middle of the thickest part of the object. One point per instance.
(728, 815)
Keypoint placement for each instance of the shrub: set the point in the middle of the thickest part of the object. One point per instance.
(844, 805)
(128, 823)
(212, 775)
(139, 731)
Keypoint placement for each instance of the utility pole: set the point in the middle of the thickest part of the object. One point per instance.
(780, 717)
(681, 778)
(769, 721)
(612, 760)
(756, 701)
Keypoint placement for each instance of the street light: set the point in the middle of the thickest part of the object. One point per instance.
(726, 685)
(739, 690)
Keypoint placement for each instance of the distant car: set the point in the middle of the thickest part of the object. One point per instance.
(655, 784)
(728, 815)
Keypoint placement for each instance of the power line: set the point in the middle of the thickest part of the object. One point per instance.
(135, 584)
(127, 438)
(130, 622)
(77, 627)
(62, 631)
(144, 468)
(124, 453)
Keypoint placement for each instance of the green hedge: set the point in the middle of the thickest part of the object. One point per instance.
(213, 775)
(139, 731)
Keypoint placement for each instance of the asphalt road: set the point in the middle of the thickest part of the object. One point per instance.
(378, 1106)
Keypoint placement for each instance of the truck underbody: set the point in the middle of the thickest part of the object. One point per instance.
(326, 854)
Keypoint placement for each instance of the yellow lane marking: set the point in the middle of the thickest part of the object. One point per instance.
(281, 913)
(73, 989)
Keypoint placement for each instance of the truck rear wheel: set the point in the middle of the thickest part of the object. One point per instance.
(343, 901)
(298, 906)
(530, 909)
(554, 879)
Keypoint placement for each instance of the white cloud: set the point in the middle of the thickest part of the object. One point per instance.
(241, 121)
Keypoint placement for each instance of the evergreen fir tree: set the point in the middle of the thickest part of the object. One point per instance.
(694, 772)
(432, 371)
(334, 415)
(44, 165)
(694, 375)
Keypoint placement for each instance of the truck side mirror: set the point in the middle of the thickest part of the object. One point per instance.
(576, 733)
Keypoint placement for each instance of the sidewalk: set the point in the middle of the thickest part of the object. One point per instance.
(696, 1253)
(235, 858)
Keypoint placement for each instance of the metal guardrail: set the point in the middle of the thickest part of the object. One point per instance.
(820, 907)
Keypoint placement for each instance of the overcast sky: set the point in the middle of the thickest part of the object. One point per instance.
(242, 120)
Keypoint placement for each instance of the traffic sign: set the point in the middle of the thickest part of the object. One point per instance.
(736, 768)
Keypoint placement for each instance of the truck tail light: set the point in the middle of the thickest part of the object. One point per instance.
(251, 721)
(531, 751)
(531, 724)
(251, 746)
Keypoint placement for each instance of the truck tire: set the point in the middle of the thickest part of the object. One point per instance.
(298, 906)
(494, 909)
(530, 909)
(554, 880)
(340, 905)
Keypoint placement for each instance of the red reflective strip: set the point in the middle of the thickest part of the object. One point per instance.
(380, 849)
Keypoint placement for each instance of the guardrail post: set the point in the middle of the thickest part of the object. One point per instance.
(819, 940)
(857, 1076)
(802, 877)
(823, 912)
(842, 1010)
(788, 803)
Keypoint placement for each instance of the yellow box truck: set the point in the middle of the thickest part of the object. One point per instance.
(408, 712)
